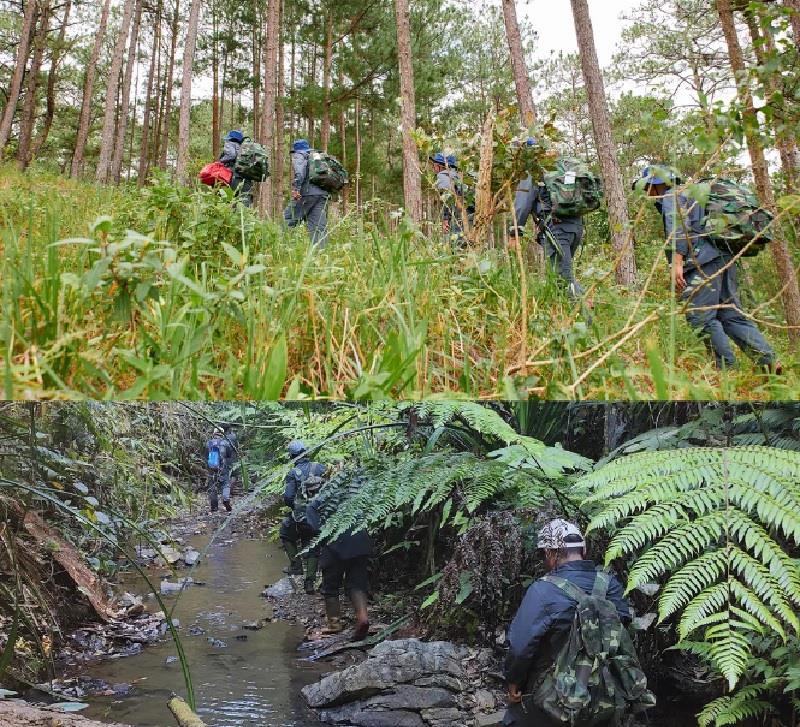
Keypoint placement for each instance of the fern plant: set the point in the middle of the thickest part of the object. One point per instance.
(711, 521)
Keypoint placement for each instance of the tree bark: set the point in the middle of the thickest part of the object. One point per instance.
(164, 147)
(21, 61)
(28, 119)
(122, 127)
(325, 131)
(88, 91)
(52, 74)
(184, 113)
(343, 142)
(256, 40)
(522, 82)
(278, 174)
(215, 124)
(148, 102)
(270, 86)
(780, 249)
(358, 153)
(794, 17)
(412, 178)
(108, 136)
(621, 238)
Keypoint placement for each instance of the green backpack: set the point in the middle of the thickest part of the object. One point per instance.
(252, 162)
(573, 188)
(596, 677)
(734, 220)
(325, 171)
(307, 490)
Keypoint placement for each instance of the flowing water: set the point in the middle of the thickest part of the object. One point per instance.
(256, 681)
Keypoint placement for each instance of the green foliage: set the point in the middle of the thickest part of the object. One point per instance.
(712, 521)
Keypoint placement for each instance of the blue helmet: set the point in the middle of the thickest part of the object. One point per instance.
(296, 448)
(438, 158)
(660, 174)
(236, 136)
(301, 145)
(452, 161)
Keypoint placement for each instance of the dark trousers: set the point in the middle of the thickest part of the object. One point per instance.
(350, 572)
(299, 534)
(313, 211)
(561, 241)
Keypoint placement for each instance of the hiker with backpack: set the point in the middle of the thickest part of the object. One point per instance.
(344, 562)
(316, 176)
(230, 153)
(301, 485)
(557, 206)
(702, 240)
(450, 187)
(219, 456)
(571, 660)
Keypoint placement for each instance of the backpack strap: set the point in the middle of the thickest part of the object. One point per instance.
(601, 583)
(574, 592)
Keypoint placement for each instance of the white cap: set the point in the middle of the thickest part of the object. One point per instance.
(552, 536)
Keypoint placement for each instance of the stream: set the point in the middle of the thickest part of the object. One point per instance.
(254, 679)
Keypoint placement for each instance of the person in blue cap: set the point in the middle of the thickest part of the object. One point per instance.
(230, 153)
(705, 277)
(309, 203)
(560, 237)
(450, 188)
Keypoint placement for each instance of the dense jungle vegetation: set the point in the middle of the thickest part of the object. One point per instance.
(122, 279)
(694, 505)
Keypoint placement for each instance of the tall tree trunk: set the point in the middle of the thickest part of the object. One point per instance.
(412, 178)
(795, 18)
(358, 153)
(125, 105)
(162, 160)
(280, 155)
(28, 119)
(256, 40)
(293, 84)
(134, 110)
(52, 74)
(522, 81)
(20, 62)
(159, 100)
(270, 86)
(108, 136)
(780, 249)
(343, 142)
(325, 131)
(88, 90)
(621, 238)
(148, 102)
(215, 130)
(186, 91)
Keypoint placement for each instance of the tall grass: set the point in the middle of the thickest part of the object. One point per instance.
(171, 293)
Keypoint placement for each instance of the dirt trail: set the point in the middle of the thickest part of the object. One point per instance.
(15, 713)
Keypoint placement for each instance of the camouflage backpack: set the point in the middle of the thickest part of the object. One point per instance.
(734, 220)
(252, 162)
(307, 490)
(573, 188)
(325, 171)
(596, 677)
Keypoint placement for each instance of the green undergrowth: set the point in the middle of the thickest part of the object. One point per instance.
(166, 292)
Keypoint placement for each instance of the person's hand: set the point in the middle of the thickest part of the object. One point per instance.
(514, 694)
(296, 194)
(680, 281)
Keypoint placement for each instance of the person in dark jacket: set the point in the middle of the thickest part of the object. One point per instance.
(309, 203)
(295, 533)
(705, 277)
(219, 476)
(344, 561)
(230, 153)
(449, 186)
(541, 625)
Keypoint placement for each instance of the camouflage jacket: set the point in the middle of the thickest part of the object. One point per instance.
(544, 618)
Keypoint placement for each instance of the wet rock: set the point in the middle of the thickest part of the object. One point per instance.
(284, 587)
(196, 631)
(170, 660)
(353, 715)
(490, 720)
(190, 557)
(484, 700)
(253, 625)
(122, 690)
(170, 587)
(216, 643)
(241, 637)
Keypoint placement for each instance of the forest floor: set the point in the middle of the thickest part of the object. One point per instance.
(163, 292)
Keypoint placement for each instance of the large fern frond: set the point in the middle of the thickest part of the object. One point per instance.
(708, 520)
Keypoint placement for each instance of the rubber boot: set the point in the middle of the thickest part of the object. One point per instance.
(311, 574)
(359, 601)
(227, 504)
(295, 565)
(333, 615)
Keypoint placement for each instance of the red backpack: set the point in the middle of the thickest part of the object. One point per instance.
(215, 173)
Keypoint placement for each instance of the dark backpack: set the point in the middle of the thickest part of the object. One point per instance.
(734, 220)
(596, 677)
(307, 490)
(325, 171)
(573, 188)
(252, 162)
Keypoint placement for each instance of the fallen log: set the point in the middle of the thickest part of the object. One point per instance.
(16, 713)
(183, 714)
(70, 559)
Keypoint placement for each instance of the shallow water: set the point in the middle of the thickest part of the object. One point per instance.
(252, 682)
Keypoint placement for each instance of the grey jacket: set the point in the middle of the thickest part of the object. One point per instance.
(533, 200)
(300, 176)
(683, 227)
(229, 153)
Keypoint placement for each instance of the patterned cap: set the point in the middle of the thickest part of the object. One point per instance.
(553, 536)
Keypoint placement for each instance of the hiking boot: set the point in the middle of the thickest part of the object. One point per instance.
(309, 584)
(359, 601)
(333, 616)
(227, 504)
